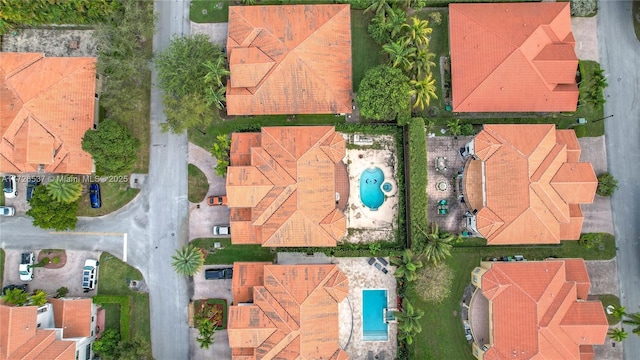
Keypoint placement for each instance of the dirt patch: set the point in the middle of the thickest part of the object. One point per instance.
(57, 258)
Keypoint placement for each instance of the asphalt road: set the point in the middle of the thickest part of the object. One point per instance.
(620, 56)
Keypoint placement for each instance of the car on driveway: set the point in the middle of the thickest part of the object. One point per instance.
(10, 186)
(26, 266)
(7, 211)
(90, 274)
(31, 185)
(94, 195)
(221, 230)
(216, 200)
(218, 274)
(22, 287)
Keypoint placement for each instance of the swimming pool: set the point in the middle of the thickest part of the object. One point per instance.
(370, 192)
(373, 326)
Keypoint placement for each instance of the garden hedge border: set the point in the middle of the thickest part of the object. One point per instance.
(417, 184)
(125, 311)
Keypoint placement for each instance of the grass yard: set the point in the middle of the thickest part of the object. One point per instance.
(114, 195)
(365, 53)
(435, 3)
(140, 128)
(206, 138)
(209, 11)
(232, 253)
(1, 266)
(114, 276)
(2, 198)
(439, 45)
(198, 184)
(112, 316)
(610, 300)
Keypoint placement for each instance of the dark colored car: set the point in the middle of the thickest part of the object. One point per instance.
(216, 274)
(31, 185)
(22, 287)
(94, 195)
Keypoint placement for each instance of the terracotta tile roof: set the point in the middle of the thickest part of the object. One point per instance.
(512, 57)
(281, 187)
(21, 339)
(73, 316)
(537, 314)
(289, 59)
(47, 105)
(294, 314)
(525, 187)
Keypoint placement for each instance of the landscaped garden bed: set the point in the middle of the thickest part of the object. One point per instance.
(52, 258)
(216, 309)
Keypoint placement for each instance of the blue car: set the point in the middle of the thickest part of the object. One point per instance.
(94, 195)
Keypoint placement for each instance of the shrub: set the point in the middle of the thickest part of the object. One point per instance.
(45, 261)
(607, 184)
(417, 177)
(435, 17)
(581, 131)
(590, 240)
(56, 260)
(454, 127)
(112, 147)
(107, 343)
(584, 7)
(384, 93)
(434, 282)
(62, 292)
(466, 130)
(125, 310)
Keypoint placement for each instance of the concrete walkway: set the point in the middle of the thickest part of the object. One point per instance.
(217, 32)
(202, 216)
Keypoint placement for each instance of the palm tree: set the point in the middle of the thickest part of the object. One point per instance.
(619, 312)
(399, 54)
(206, 335)
(422, 62)
(395, 22)
(418, 31)
(378, 7)
(216, 71)
(15, 297)
(424, 90)
(618, 334)
(39, 298)
(438, 246)
(408, 324)
(216, 97)
(633, 319)
(65, 189)
(188, 260)
(407, 265)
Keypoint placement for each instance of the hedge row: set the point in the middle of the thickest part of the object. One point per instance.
(125, 311)
(417, 177)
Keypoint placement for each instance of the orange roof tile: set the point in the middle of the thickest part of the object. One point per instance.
(285, 195)
(525, 187)
(512, 57)
(73, 316)
(294, 314)
(289, 59)
(538, 313)
(47, 106)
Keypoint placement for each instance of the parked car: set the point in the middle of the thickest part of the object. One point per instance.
(94, 195)
(216, 274)
(7, 211)
(22, 287)
(31, 185)
(26, 266)
(90, 274)
(221, 230)
(10, 186)
(216, 200)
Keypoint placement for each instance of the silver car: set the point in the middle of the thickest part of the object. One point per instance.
(10, 186)
(7, 211)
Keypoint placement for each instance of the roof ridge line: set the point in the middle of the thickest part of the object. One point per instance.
(45, 90)
(278, 302)
(25, 65)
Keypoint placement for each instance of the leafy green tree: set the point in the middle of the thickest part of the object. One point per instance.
(15, 297)
(407, 265)
(408, 321)
(454, 127)
(112, 147)
(136, 349)
(216, 97)
(216, 71)
(619, 312)
(607, 184)
(422, 63)
(386, 27)
(188, 260)
(188, 112)
(400, 54)
(418, 31)
(39, 298)
(378, 7)
(65, 189)
(107, 343)
(634, 320)
(424, 90)
(220, 150)
(48, 213)
(617, 334)
(384, 93)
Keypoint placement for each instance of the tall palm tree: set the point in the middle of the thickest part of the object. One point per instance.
(400, 54)
(408, 321)
(15, 297)
(216, 71)
(633, 319)
(619, 311)
(424, 90)
(422, 62)
(188, 260)
(418, 31)
(378, 7)
(395, 22)
(407, 264)
(65, 189)
(618, 334)
(438, 246)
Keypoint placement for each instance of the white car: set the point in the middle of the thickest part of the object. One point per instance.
(7, 211)
(26, 266)
(221, 230)
(10, 186)
(90, 274)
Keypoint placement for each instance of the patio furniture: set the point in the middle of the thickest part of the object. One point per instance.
(378, 266)
(443, 207)
(385, 271)
(441, 163)
(371, 261)
(383, 261)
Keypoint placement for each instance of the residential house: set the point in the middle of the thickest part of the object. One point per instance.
(288, 186)
(62, 329)
(289, 59)
(535, 310)
(523, 184)
(48, 103)
(512, 57)
(286, 311)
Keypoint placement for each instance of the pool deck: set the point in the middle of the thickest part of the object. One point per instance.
(364, 276)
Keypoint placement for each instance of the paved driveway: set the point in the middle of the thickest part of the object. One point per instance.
(50, 280)
(217, 32)
(597, 216)
(586, 39)
(604, 277)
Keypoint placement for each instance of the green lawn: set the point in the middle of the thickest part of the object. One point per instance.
(112, 316)
(209, 11)
(365, 53)
(114, 195)
(206, 138)
(232, 253)
(1, 198)
(114, 276)
(198, 184)
(434, 3)
(610, 300)
(1, 266)
(439, 45)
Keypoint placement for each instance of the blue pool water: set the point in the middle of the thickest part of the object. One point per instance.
(370, 192)
(373, 326)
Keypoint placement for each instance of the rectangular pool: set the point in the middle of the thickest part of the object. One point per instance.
(373, 326)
